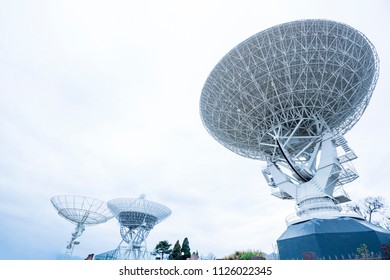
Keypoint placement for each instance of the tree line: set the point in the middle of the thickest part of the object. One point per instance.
(179, 252)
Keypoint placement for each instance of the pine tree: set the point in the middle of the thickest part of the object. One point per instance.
(176, 252)
(185, 249)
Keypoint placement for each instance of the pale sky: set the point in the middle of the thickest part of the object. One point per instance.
(101, 99)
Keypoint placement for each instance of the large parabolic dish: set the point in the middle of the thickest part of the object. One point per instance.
(287, 95)
(301, 78)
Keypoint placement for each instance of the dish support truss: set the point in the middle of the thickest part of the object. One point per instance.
(313, 176)
(134, 235)
(73, 241)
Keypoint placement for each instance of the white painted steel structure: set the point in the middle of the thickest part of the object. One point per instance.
(287, 95)
(81, 211)
(137, 217)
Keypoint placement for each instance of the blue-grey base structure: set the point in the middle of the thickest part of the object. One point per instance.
(110, 255)
(334, 239)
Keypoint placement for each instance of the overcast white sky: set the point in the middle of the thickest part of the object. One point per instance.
(101, 98)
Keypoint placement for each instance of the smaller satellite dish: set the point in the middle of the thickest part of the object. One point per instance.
(137, 217)
(82, 211)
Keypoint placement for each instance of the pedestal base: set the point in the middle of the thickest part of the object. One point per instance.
(332, 239)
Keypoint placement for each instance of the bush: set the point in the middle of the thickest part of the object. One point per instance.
(245, 255)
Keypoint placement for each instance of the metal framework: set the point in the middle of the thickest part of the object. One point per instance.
(287, 95)
(136, 217)
(81, 211)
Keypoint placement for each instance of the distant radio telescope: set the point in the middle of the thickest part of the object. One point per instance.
(286, 96)
(137, 217)
(81, 211)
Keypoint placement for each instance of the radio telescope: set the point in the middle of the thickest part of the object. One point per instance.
(137, 217)
(81, 211)
(287, 96)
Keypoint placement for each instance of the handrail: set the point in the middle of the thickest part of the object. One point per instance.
(294, 218)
